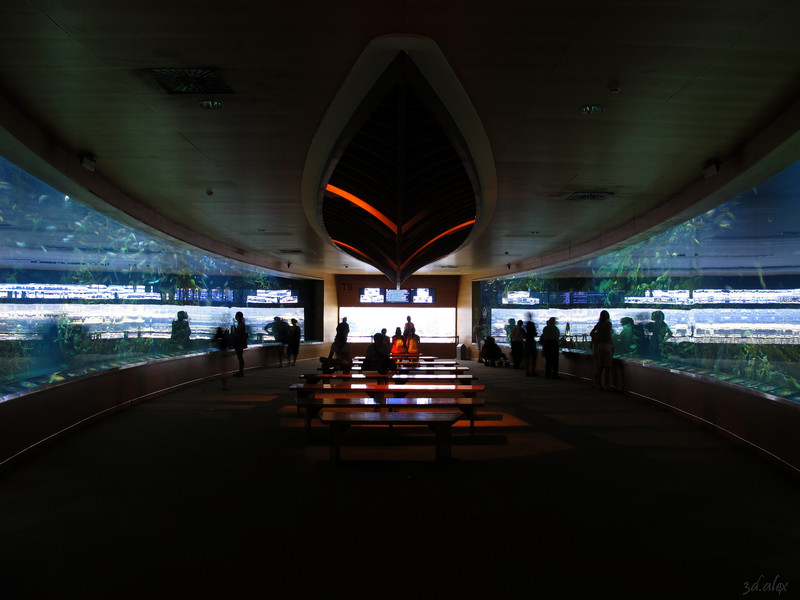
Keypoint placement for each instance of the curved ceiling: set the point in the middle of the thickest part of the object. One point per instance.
(402, 191)
(680, 83)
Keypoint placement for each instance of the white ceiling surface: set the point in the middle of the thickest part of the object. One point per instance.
(696, 80)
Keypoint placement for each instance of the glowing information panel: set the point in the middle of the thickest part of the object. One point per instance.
(431, 324)
(395, 296)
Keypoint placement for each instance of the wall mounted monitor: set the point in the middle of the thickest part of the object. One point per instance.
(558, 298)
(423, 296)
(397, 296)
(273, 297)
(519, 297)
(371, 296)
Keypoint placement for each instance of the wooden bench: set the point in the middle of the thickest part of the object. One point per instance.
(404, 356)
(380, 390)
(426, 363)
(389, 377)
(418, 369)
(440, 422)
(467, 405)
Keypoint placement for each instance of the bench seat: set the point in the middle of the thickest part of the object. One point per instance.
(467, 405)
(393, 377)
(440, 422)
(380, 390)
(422, 368)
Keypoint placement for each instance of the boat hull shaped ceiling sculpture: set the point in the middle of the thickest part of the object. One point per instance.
(400, 190)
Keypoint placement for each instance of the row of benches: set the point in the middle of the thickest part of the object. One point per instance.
(415, 396)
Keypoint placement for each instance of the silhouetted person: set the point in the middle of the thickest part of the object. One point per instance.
(508, 327)
(408, 330)
(550, 338)
(279, 330)
(240, 342)
(517, 344)
(659, 333)
(632, 339)
(342, 330)
(376, 357)
(413, 344)
(339, 357)
(603, 350)
(479, 333)
(293, 343)
(626, 340)
(181, 330)
(398, 342)
(491, 353)
(531, 351)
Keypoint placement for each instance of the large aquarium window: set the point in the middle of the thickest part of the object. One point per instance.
(80, 291)
(433, 325)
(718, 296)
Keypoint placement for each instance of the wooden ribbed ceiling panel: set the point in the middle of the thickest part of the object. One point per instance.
(404, 190)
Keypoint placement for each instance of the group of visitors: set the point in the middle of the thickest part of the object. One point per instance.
(644, 340)
(633, 339)
(522, 338)
(382, 353)
(404, 341)
(288, 337)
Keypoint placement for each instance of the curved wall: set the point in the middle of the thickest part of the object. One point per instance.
(28, 421)
(767, 424)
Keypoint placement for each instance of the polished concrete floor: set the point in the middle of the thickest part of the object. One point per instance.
(566, 492)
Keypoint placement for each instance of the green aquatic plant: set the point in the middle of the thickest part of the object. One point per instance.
(15, 359)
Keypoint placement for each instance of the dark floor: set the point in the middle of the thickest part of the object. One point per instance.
(565, 493)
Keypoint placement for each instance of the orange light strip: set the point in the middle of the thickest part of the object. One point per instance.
(357, 251)
(349, 247)
(441, 235)
(363, 205)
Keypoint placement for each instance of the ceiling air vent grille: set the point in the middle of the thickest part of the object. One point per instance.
(191, 81)
(594, 196)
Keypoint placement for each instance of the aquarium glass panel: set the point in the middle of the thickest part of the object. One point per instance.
(80, 291)
(718, 295)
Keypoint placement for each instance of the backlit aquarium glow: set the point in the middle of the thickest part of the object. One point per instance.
(432, 324)
(80, 291)
(717, 296)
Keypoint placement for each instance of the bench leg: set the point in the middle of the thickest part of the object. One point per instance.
(443, 434)
(311, 412)
(469, 411)
(337, 430)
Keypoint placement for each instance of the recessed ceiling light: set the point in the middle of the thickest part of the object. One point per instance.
(592, 109)
(590, 196)
(211, 104)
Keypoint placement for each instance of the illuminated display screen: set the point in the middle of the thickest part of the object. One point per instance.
(592, 298)
(273, 297)
(558, 298)
(371, 296)
(397, 296)
(423, 296)
(519, 297)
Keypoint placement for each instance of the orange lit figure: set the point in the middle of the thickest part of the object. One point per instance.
(413, 344)
(398, 345)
